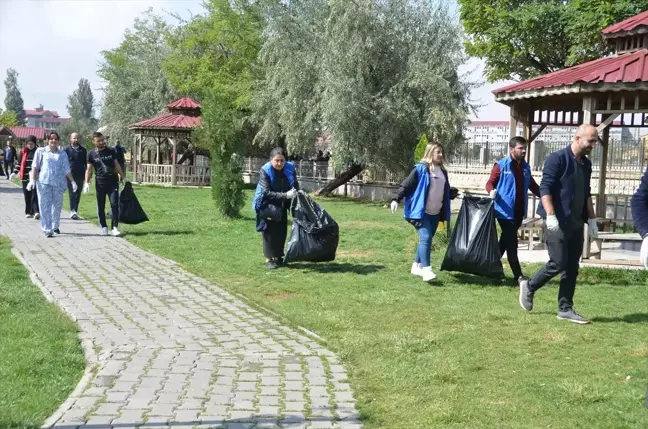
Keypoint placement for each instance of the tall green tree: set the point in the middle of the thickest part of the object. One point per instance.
(13, 98)
(8, 118)
(374, 75)
(136, 85)
(221, 133)
(81, 109)
(521, 39)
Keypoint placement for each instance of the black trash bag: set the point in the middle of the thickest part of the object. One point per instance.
(473, 247)
(315, 235)
(130, 210)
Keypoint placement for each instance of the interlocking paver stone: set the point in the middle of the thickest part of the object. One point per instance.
(170, 340)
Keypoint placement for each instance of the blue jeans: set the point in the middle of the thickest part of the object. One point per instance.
(426, 232)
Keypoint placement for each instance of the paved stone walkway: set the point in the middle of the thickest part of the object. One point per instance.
(172, 348)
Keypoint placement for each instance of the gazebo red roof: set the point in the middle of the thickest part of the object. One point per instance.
(170, 120)
(184, 103)
(23, 132)
(184, 114)
(627, 68)
(629, 24)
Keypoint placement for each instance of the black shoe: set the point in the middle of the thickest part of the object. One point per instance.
(272, 265)
(57, 231)
(280, 262)
(526, 296)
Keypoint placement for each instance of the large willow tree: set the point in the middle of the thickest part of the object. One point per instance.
(374, 75)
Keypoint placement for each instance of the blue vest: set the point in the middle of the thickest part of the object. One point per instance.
(505, 199)
(288, 170)
(414, 207)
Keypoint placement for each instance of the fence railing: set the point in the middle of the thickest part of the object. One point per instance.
(186, 175)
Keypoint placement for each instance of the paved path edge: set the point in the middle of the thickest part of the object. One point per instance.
(91, 357)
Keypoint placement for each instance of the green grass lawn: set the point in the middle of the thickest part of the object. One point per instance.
(41, 359)
(456, 354)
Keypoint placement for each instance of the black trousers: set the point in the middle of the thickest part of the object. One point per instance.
(565, 248)
(274, 238)
(75, 197)
(31, 199)
(508, 243)
(8, 166)
(110, 190)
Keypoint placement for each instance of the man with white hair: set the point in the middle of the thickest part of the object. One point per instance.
(566, 206)
(78, 156)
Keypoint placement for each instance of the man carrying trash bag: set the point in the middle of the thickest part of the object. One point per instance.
(508, 185)
(565, 207)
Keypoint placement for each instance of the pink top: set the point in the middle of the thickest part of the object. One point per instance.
(435, 193)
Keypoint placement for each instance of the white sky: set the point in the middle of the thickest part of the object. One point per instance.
(54, 43)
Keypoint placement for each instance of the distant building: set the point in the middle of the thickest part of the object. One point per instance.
(498, 131)
(43, 118)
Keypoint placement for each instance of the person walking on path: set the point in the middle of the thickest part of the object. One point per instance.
(9, 159)
(78, 156)
(22, 170)
(508, 185)
(276, 188)
(427, 194)
(50, 167)
(104, 161)
(566, 205)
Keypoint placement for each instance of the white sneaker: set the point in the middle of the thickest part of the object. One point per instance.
(115, 232)
(37, 216)
(427, 274)
(104, 231)
(74, 215)
(416, 269)
(28, 216)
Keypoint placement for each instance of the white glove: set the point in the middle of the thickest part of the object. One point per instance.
(291, 194)
(75, 187)
(493, 193)
(593, 228)
(552, 223)
(31, 185)
(11, 176)
(644, 252)
(393, 206)
(86, 187)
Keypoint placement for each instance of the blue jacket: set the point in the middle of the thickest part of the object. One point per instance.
(558, 181)
(506, 189)
(289, 171)
(639, 206)
(415, 190)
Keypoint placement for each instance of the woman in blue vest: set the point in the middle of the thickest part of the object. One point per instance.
(427, 194)
(276, 188)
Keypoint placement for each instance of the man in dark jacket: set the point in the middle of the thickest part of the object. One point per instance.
(9, 159)
(565, 207)
(78, 156)
(509, 184)
(639, 207)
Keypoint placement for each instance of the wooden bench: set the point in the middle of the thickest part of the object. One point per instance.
(528, 227)
(596, 256)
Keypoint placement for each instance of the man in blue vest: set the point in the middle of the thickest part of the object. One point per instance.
(566, 207)
(509, 183)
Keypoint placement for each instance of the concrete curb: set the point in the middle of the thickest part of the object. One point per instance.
(92, 360)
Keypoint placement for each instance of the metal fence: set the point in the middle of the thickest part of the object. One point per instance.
(627, 155)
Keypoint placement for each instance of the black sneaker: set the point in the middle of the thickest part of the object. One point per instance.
(280, 262)
(272, 265)
(526, 296)
(57, 231)
(572, 316)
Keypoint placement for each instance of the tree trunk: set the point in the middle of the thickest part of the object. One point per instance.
(347, 175)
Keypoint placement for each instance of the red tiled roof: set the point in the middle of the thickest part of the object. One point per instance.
(184, 103)
(170, 120)
(626, 68)
(23, 132)
(31, 112)
(627, 25)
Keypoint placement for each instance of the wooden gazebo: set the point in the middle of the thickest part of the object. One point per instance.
(173, 128)
(599, 92)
